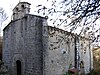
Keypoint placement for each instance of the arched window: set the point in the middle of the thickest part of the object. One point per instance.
(18, 67)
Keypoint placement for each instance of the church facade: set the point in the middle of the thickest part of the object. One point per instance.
(31, 47)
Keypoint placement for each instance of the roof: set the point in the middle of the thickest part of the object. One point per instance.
(12, 21)
(63, 31)
(23, 3)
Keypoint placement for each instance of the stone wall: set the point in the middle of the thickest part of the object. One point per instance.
(86, 54)
(96, 59)
(23, 42)
(59, 51)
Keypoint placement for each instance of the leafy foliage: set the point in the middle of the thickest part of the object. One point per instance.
(85, 11)
(83, 14)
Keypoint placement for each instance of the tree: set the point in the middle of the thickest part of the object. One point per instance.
(3, 17)
(84, 14)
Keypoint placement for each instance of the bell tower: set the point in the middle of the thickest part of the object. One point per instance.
(20, 10)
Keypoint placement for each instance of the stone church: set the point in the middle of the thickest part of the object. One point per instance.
(31, 47)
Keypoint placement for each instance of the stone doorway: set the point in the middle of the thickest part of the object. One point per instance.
(18, 67)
